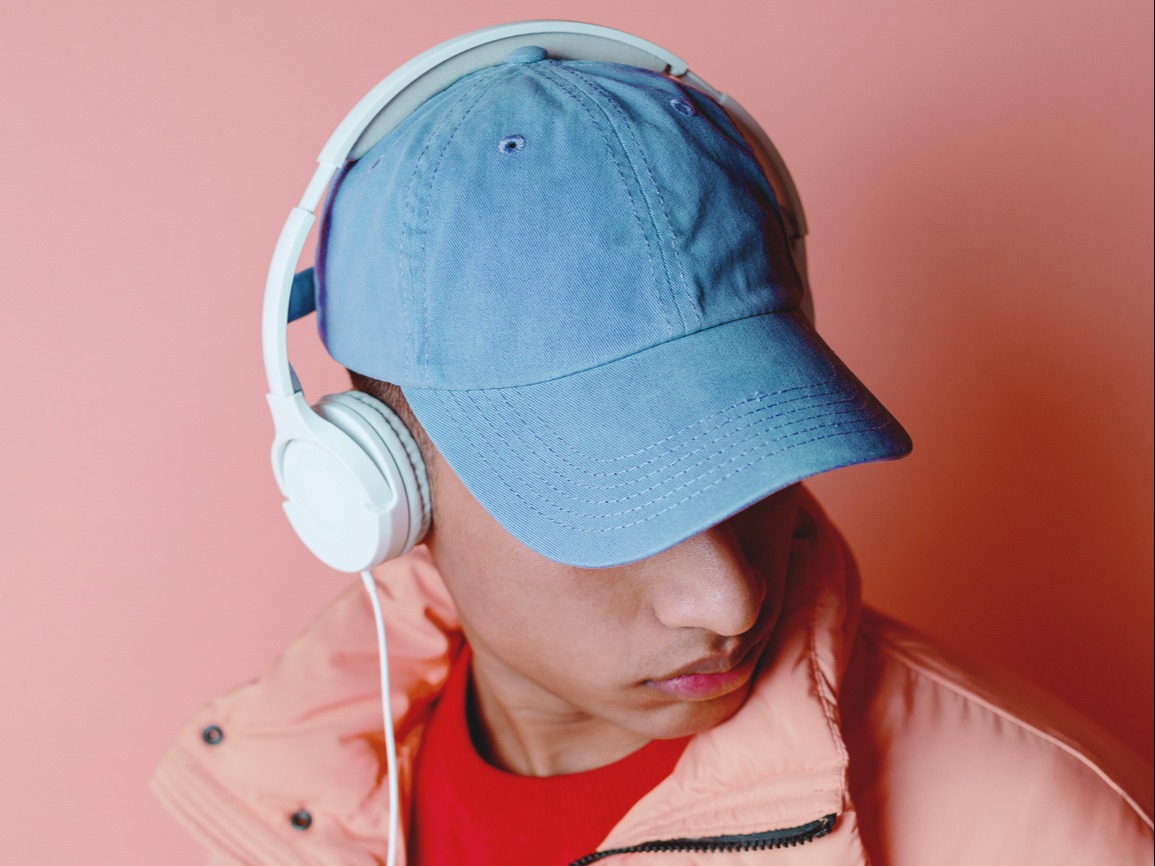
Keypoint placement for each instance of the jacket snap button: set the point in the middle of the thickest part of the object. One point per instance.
(301, 820)
(212, 735)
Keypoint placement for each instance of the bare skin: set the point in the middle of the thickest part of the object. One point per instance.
(575, 668)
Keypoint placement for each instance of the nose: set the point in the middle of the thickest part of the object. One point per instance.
(707, 582)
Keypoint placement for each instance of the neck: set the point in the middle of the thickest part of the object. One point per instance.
(529, 734)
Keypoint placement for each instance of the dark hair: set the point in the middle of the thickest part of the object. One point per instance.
(392, 396)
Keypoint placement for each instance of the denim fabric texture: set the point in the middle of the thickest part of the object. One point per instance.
(578, 274)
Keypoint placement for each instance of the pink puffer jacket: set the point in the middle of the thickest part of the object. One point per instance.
(860, 743)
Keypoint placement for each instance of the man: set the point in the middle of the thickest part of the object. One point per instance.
(629, 634)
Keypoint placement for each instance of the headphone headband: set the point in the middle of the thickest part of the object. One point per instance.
(401, 92)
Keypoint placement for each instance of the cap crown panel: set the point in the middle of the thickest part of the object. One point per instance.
(537, 219)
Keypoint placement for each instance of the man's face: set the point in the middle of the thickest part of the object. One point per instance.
(592, 663)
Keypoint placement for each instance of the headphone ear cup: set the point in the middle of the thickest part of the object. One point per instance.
(405, 456)
(355, 485)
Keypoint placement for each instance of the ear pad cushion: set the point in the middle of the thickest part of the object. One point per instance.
(355, 487)
(379, 433)
(375, 412)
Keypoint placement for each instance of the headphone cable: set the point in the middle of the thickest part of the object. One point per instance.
(387, 712)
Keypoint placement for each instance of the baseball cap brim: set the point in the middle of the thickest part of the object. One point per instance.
(618, 462)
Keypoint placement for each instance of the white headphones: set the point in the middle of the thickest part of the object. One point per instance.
(355, 486)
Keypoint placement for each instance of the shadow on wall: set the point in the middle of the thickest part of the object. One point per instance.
(1021, 292)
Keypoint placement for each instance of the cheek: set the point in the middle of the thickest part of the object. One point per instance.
(537, 628)
(540, 630)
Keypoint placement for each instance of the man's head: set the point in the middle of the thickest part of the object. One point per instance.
(579, 275)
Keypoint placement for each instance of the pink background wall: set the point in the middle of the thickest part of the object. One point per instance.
(978, 181)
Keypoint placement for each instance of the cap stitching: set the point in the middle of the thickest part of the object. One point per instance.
(663, 210)
(814, 392)
(425, 239)
(576, 96)
(620, 526)
(848, 407)
(785, 312)
(419, 213)
(570, 495)
(408, 227)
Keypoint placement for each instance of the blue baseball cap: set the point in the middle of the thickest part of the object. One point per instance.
(579, 275)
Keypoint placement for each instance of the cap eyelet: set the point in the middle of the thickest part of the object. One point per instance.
(510, 144)
(682, 106)
(301, 820)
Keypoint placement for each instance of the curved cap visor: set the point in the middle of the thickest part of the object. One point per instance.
(621, 461)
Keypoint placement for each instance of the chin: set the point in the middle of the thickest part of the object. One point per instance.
(688, 718)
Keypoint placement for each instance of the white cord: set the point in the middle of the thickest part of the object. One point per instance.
(387, 712)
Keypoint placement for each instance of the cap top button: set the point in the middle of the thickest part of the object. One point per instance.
(526, 54)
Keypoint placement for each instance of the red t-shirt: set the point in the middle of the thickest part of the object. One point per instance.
(469, 813)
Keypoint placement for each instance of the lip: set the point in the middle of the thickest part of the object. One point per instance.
(710, 678)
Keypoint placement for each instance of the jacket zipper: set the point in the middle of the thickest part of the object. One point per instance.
(749, 842)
